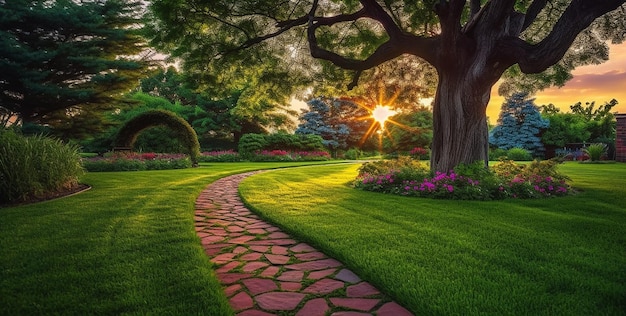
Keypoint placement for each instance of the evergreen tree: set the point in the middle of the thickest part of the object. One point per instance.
(65, 61)
(519, 125)
(340, 123)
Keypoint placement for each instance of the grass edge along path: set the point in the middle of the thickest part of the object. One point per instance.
(561, 256)
(127, 246)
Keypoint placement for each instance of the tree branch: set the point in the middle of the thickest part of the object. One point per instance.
(577, 17)
(533, 12)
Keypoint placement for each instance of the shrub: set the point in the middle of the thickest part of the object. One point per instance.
(595, 151)
(120, 161)
(35, 166)
(466, 182)
(496, 153)
(519, 154)
(353, 154)
(249, 144)
(220, 156)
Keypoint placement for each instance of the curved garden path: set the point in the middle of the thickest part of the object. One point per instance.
(266, 272)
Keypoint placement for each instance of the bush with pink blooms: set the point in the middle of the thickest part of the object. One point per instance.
(466, 182)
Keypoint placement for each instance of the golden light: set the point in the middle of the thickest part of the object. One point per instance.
(382, 113)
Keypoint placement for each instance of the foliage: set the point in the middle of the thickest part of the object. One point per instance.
(585, 124)
(338, 122)
(283, 155)
(519, 125)
(409, 129)
(216, 36)
(250, 144)
(128, 133)
(121, 161)
(219, 156)
(496, 153)
(565, 128)
(519, 154)
(596, 151)
(35, 166)
(419, 153)
(466, 182)
(353, 154)
(66, 62)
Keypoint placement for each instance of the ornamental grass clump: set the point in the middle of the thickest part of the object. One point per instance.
(408, 177)
(595, 151)
(35, 167)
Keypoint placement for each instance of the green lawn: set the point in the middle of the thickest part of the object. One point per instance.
(561, 256)
(128, 245)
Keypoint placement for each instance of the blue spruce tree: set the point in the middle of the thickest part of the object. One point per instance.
(520, 125)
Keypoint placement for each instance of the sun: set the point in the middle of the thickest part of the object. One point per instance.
(381, 114)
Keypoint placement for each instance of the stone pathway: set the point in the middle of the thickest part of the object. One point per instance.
(266, 272)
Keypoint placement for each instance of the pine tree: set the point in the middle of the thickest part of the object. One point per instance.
(64, 60)
(519, 125)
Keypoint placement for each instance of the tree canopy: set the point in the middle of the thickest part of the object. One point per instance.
(61, 60)
(471, 44)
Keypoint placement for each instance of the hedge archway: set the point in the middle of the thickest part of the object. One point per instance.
(128, 133)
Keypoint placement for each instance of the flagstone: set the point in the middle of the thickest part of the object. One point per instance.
(302, 248)
(270, 242)
(223, 258)
(315, 275)
(393, 309)
(262, 249)
(279, 301)
(363, 304)
(277, 259)
(231, 290)
(314, 307)
(295, 276)
(257, 231)
(251, 256)
(361, 290)
(279, 250)
(229, 266)
(252, 312)
(308, 256)
(234, 229)
(241, 240)
(241, 301)
(229, 278)
(240, 250)
(270, 271)
(315, 265)
(347, 276)
(253, 266)
(257, 286)
(211, 239)
(324, 286)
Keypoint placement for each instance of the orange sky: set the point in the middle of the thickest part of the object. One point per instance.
(599, 83)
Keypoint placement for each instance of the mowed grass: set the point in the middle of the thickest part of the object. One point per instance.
(127, 246)
(561, 256)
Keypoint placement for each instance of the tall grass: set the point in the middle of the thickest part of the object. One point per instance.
(34, 166)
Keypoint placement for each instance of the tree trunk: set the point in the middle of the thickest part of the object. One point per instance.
(460, 131)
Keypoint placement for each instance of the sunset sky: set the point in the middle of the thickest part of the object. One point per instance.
(599, 83)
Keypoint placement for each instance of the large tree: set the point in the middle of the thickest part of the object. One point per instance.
(64, 61)
(471, 44)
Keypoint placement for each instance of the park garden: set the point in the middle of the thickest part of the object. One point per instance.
(106, 145)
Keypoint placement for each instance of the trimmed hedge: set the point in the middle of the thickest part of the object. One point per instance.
(127, 135)
(250, 144)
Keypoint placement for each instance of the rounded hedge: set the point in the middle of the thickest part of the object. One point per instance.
(127, 135)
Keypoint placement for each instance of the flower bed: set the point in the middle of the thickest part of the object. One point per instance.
(283, 155)
(468, 182)
(129, 161)
(220, 156)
